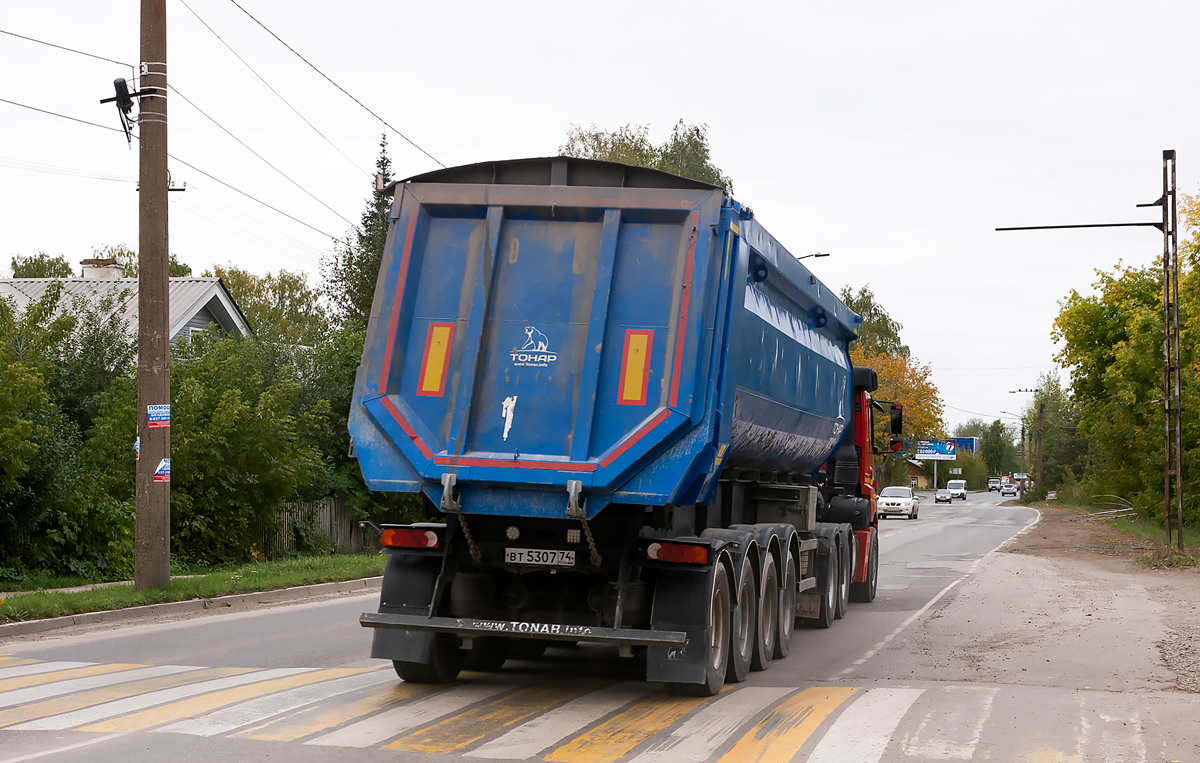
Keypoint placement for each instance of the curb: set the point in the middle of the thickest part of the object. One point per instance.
(191, 605)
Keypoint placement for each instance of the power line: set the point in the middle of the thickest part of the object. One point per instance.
(339, 87)
(176, 158)
(260, 156)
(273, 90)
(63, 47)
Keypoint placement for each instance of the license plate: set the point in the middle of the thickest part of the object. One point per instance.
(540, 557)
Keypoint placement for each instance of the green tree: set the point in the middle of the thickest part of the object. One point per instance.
(129, 259)
(280, 306)
(41, 265)
(973, 427)
(350, 271)
(1064, 452)
(997, 450)
(34, 336)
(686, 153)
(879, 332)
(99, 348)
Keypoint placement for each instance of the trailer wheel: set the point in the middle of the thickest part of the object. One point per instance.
(488, 654)
(766, 625)
(787, 609)
(846, 556)
(865, 591)
(718, 645)
(828, 593)
(742, 631)
(446, 662)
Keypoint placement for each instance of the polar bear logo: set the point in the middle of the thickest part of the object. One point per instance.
(534, 340)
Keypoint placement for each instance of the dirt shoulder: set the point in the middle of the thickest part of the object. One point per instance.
(1067, 605)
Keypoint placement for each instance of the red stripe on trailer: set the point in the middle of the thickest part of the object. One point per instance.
(408, 430)
(400, 279)
(562, 466)
(684, 307)
(660, 418)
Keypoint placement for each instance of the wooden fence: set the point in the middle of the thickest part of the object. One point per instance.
(326, 517)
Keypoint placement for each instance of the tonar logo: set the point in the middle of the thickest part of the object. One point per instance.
(534, 353)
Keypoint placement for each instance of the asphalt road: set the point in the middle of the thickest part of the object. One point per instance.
(296, 681)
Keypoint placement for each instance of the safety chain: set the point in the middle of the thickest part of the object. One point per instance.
(476, 554)
(587, 531)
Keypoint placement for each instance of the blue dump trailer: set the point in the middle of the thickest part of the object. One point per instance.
(634, 412)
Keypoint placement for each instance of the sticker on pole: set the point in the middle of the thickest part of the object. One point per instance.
(158, 416)
(137, 448)
(163, 472)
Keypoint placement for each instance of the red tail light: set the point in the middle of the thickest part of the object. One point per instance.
(407, 537)
(686, 553)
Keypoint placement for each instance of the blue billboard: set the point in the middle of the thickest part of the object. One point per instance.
(935, 450)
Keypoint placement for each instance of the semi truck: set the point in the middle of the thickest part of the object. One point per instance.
(632, 419)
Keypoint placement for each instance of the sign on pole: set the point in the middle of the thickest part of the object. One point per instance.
(935, 450)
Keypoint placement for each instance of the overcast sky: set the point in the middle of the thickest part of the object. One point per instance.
(895, 136)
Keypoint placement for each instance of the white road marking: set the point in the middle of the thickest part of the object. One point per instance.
(1104, 738)
(253, 711)
(40, 667)
(56, 750)
(862, 732)
(70, 686)
(142, 701)
(951, 731)
(395, 722)
(528, 739)
(699, 737)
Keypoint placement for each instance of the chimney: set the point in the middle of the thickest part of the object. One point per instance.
(103, 270)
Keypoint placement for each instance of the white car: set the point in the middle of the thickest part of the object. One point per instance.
(898, 500)
(958, 489)
(1008, 488)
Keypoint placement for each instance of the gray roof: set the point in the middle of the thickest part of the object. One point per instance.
(187, 297)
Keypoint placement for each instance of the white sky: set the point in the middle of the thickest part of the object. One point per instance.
(894, 135)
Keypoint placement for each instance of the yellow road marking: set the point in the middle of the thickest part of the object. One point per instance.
(205, 703)
(8, 661)
(84, 699)
(779, 735)
(464, 729)
(22, 682)
(614, 738)
(319, 718)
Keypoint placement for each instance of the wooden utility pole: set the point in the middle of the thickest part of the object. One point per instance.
(152, 535)
(1041, 433)
(1172, 445)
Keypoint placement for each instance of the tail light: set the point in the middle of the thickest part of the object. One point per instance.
(409, 537)
(685, 553)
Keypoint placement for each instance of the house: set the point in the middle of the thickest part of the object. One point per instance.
(194, 302)
(916, 477)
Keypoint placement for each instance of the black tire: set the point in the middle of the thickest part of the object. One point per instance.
(446, 662)
(845, 574)
(527, 648)
(488, 654)
(718, 646)
(741, 630)
(865, 591)
(828, 581)
(766, 625)
(787, 609)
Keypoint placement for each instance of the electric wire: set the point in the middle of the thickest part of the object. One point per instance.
(260, 156)
(53, 169)
(185, 164)
(63, 47)
(339, 87)
(273, 90)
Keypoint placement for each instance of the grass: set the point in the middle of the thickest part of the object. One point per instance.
(248, 578)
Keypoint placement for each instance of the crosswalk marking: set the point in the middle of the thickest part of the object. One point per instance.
(87, 715)
(614, 738)
(781, 734)
(314, 720)
(258, 710)
(862, 732)
(56, 687)
(7, 661)
(699, 736)
(34, 668)
(210, 701)
(951, 730)
(11, 684)
(469, 727)
(390, 723)
(65, 704)
(552, 727)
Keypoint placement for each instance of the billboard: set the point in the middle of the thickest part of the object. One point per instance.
(969, 444)
(935, 450)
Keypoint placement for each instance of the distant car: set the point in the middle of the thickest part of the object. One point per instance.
(899, 500)
(942, 495)
(1009, 488)
(958, 489)
(994, 484)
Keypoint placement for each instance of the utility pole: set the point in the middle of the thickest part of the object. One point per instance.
(1041, 429)
(152, 533)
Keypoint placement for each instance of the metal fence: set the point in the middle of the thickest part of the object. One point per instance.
(325, 519)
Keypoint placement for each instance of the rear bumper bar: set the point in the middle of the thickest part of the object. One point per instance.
(515, 629)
